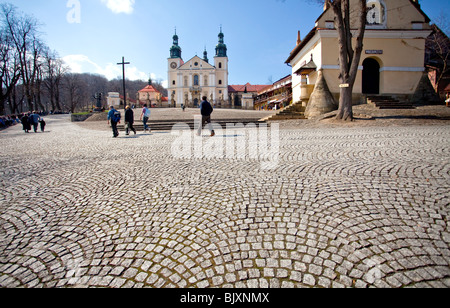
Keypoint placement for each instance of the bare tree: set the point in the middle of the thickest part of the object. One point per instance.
(350, 19)
(349, 55)
(74, 90)
(437, 54)
(28, 48)
(9, 64)
(54, 70)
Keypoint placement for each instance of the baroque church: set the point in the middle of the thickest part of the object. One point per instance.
(190, 81)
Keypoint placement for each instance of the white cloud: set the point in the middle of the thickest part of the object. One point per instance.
(120, 6)
(79, 63)
(82, 64)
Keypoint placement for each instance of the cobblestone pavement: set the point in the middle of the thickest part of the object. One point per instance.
(346, 207)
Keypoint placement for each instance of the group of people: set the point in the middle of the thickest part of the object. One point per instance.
(32, 120)
(114, 118)
(8, 121)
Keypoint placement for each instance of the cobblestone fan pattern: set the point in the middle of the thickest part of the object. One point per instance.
(347, 207)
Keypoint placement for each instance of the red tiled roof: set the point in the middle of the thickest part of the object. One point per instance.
(250, 88)
(148, 89)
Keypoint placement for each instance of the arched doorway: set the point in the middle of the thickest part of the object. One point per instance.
(371, 77)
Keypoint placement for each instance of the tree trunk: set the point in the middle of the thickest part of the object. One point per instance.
(345, 112)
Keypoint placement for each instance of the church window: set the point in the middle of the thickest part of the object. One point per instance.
(220, 64)
(196, 80)
(173, 82)
(220, 81)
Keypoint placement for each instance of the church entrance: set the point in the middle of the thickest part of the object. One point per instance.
(195, 102)
(371, 77)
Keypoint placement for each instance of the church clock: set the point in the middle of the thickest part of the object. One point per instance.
(173, 65)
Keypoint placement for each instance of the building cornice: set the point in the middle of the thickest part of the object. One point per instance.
(381, 33)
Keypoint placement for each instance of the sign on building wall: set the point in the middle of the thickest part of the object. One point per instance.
(374, 52)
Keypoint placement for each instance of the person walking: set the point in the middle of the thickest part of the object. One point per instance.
(206, 110)
(145, 116)
(42, 122)
(26, 123)
(34, 120)
(114, 118)
(129, 121)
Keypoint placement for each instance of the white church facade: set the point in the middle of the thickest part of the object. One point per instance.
(190, 81)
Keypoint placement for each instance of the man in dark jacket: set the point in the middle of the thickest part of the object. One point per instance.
(26, 123)
(34, 120)
(129, 121)
(206, 110)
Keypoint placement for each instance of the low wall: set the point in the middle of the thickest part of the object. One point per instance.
(80, 117)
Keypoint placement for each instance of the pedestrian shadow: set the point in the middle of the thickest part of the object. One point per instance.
(221, 136)
(131, 137)
(412, 117)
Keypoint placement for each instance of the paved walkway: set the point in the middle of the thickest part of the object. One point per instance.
(346, 207)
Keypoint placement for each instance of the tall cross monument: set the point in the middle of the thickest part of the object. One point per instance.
(124, 89)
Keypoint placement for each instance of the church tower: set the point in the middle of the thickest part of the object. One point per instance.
(205, 56)
(221, 48)
(174, 63)
(175, 60)
(175, 50)
(221, 64)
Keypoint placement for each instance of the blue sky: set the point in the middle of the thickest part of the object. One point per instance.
(93, 35)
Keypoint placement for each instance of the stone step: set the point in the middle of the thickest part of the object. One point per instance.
(287, 117)
(291, 112)
(168, 125)
(388, 102)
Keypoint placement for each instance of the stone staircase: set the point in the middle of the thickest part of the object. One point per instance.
(167, 125)
(388, 102)
(291, 112)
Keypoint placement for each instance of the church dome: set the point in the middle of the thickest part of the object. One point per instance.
(221, 48)
(175, 50)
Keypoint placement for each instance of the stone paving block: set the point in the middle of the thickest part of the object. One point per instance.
(347, 207)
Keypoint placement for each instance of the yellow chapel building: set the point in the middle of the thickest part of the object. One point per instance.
(392, 62)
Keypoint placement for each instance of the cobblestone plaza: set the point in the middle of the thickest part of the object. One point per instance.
(346, 207)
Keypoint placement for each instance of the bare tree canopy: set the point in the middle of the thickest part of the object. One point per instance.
(34, 77)
(10, 70)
